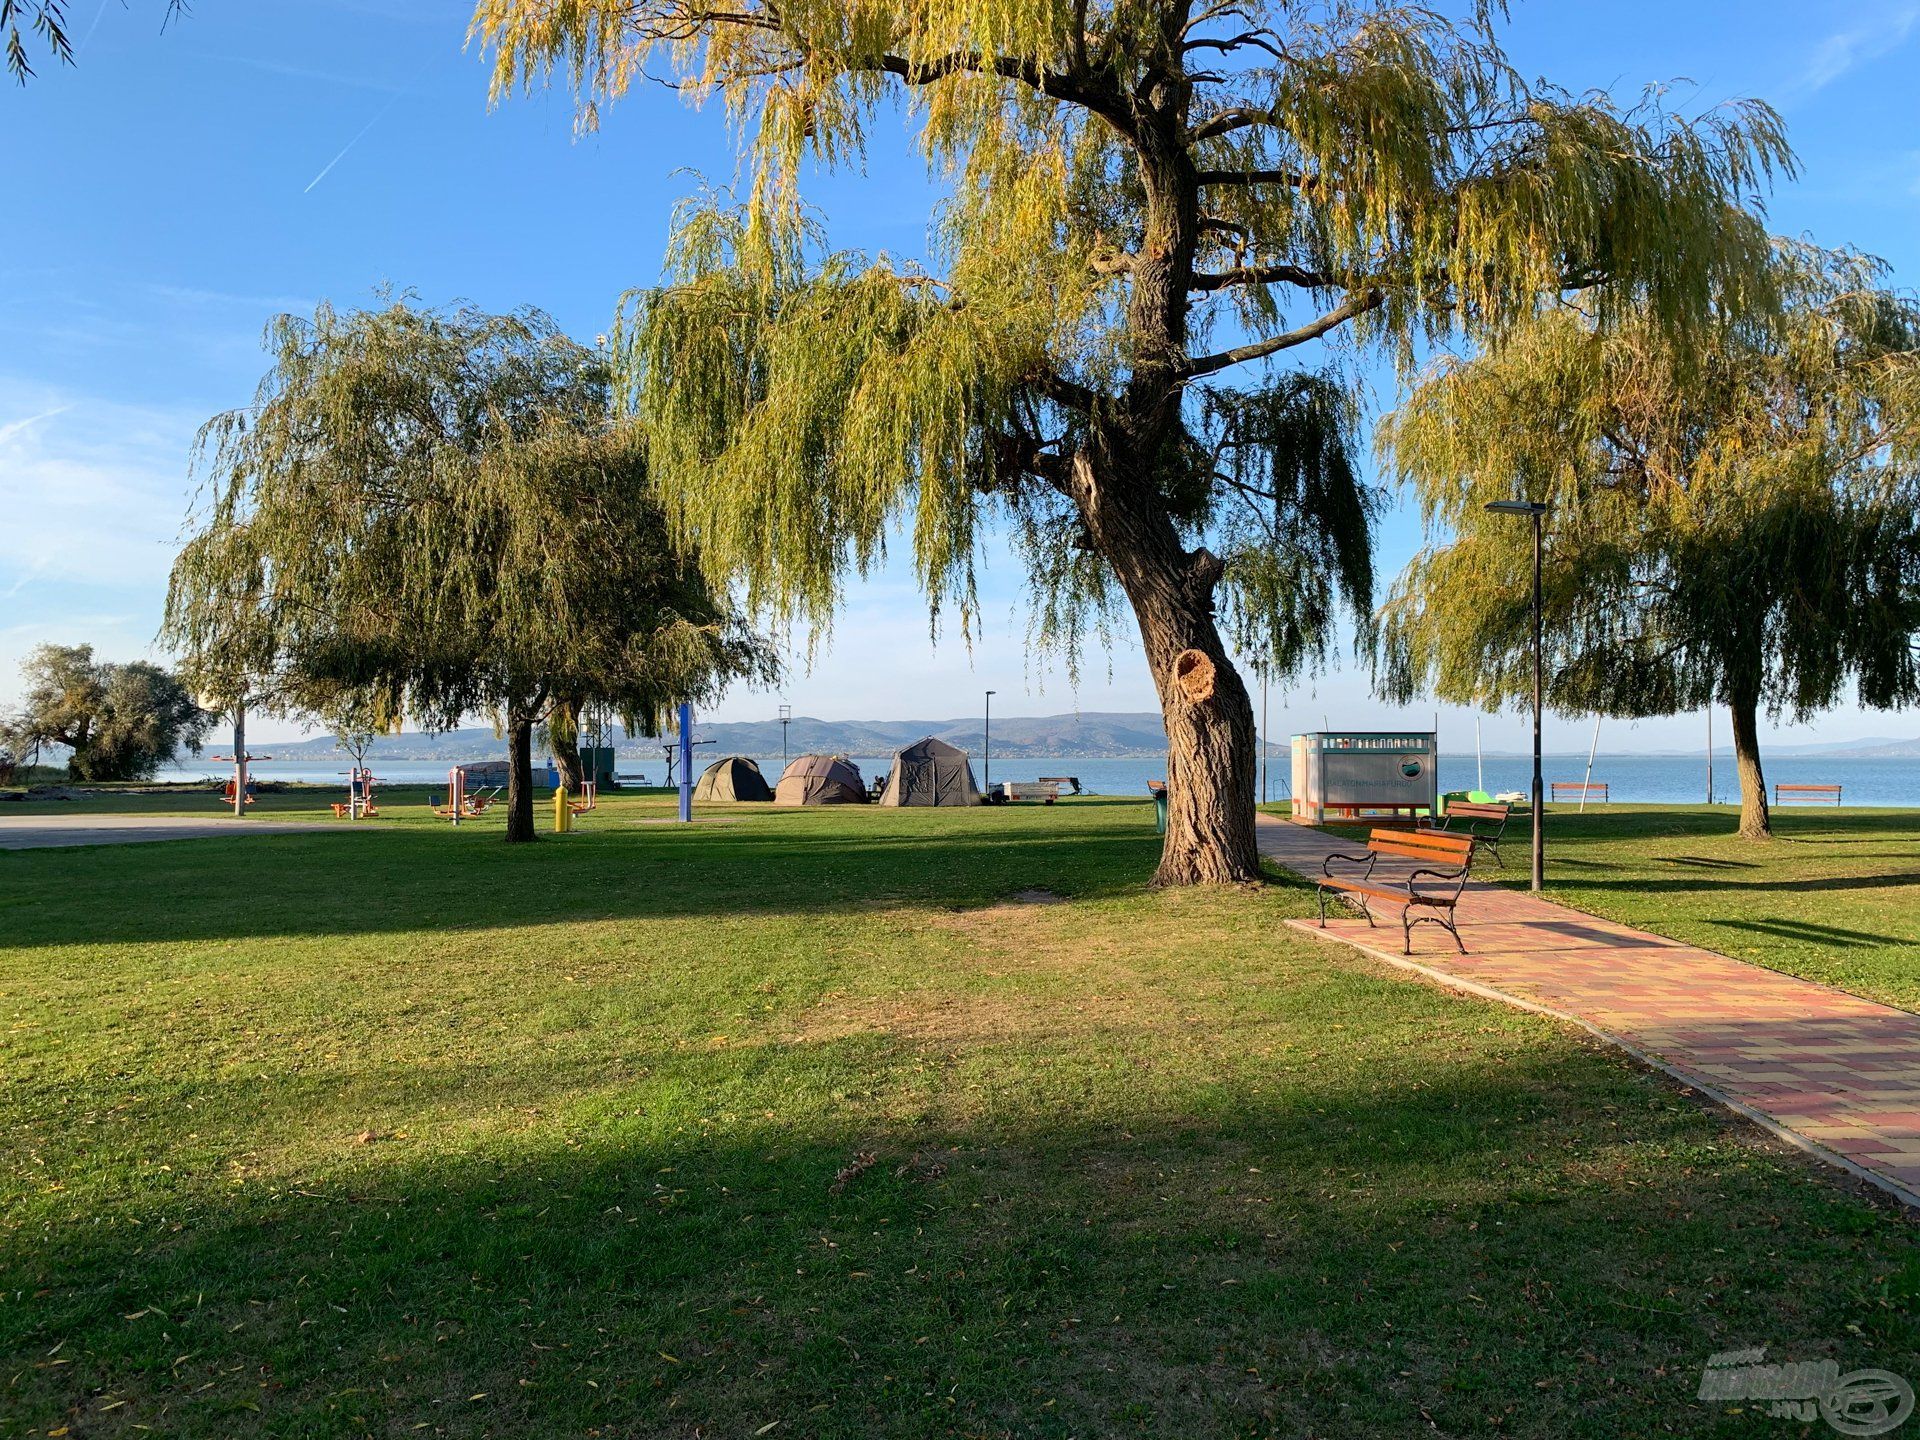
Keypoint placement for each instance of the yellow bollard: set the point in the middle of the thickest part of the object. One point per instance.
(562, 814)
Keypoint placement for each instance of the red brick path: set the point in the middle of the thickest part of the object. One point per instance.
(1831, 1072)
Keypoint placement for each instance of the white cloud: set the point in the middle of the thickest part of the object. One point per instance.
(1885, 30)
(94, 493)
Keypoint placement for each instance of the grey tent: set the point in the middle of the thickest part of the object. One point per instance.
(931, 772)
(821, 780)
(732, 777)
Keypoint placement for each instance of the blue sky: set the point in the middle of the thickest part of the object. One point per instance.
(173, 191)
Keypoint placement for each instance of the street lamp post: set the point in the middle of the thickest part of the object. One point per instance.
(1538, 511)
(986, 749)
(786, 719)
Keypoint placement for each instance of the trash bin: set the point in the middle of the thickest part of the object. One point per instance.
(1159, 793)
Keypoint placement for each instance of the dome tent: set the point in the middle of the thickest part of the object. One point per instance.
(821, 780)
(931, 772)
(732, 777)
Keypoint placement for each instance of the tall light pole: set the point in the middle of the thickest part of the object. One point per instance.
(986, 749)
(1538, 511)
(1265, 743)
(786, 719)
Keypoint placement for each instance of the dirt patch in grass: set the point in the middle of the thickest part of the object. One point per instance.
(946, 1020)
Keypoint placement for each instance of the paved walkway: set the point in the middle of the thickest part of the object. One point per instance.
(1826, 1070)
(35, 832)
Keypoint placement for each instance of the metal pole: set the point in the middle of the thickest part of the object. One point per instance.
(786, 719)
(986, 749)
(1479, 760)
(1265, 745)
(1709, 752)
(1592, 750)
(1539, 791)
(686, 764)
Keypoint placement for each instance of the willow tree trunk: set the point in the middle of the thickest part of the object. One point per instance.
(563, 731)
(1203, 703)
(1756, 821)
(519, 778)
(239, 762)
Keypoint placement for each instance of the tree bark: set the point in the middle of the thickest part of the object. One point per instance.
(1756, 820)
(239, 762)
(1210, 739)
(563, 730)
(519, 778)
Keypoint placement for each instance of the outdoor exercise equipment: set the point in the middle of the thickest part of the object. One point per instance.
(359, 802)
(464, 799)
(241, 783)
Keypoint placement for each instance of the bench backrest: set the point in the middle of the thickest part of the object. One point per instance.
(1814, 789)
(1436, 847)
(1478, 809)
(1575, 786)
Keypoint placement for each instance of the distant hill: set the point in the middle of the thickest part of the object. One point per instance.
(1089, 734)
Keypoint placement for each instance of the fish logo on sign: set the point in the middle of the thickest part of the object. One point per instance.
(1860, 1402)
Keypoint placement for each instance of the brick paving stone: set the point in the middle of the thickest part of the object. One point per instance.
(1837, 1074)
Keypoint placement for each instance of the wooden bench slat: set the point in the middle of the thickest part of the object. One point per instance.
(1398, 897)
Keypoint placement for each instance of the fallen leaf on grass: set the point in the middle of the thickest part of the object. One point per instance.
(851, 1171)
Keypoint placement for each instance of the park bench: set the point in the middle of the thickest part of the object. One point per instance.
(1483, 822)
(1071, 780)
(1579, 790)
(1045, 791)
(1811, 794)
(1448, 858)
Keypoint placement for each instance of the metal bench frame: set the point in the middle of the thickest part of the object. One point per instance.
(1472, 827)
(1440, 905)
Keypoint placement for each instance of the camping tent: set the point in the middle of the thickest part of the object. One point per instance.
(821, 780)
(732, 777)
(930, 772)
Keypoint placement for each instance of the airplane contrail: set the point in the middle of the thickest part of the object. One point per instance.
(328, 168)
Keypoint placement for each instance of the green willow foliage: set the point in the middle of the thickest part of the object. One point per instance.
(1132, 183)
(432, 513)
(1735, 514)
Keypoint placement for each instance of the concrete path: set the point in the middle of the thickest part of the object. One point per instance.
(1828, 1071)
(34, 832)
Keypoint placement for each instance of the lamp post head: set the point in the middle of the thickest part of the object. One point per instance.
(1517, 507)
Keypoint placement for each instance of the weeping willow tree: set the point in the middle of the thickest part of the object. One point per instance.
(48, 24)
(432, 514)
(1735, 517)
(1157, 208)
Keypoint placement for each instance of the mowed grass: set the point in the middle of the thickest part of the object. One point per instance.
(1834, 897)
(818, 1124)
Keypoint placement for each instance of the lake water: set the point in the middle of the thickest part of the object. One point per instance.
(1642, 779)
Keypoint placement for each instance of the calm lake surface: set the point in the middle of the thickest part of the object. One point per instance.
(1642, 779)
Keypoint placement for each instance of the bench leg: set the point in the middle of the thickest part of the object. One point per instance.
(1446, 922)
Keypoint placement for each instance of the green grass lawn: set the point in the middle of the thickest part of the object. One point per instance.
(1835, 896)
(804, 1124)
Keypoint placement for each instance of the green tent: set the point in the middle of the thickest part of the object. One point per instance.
(732, 777)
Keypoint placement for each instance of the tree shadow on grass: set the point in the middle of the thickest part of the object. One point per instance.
(368, 882)
(1811, 933)
(1480, 1250)
(1734, 888)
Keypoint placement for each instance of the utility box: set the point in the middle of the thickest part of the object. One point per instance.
(1351, 774)
(596, 764)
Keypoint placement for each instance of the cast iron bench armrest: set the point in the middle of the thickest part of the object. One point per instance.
(1369, 860)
